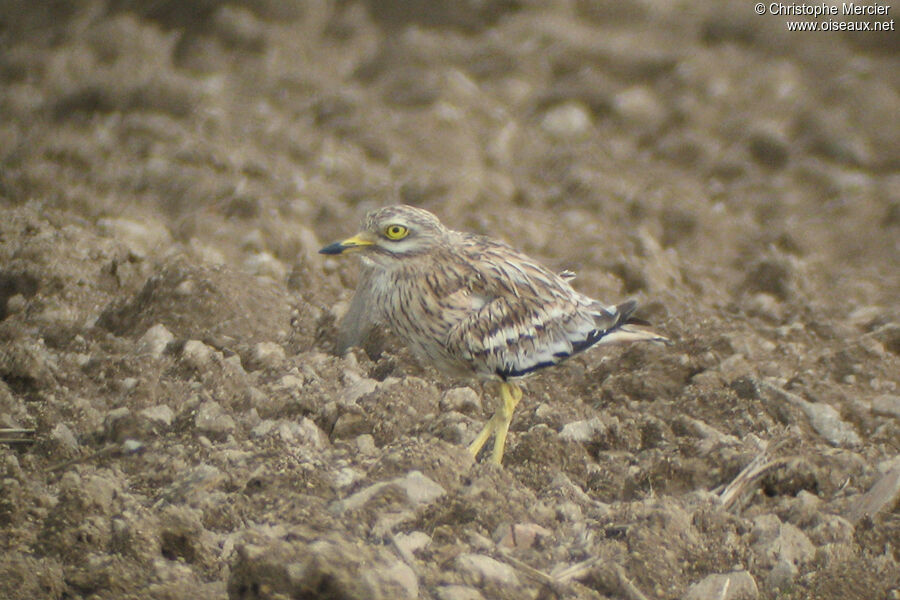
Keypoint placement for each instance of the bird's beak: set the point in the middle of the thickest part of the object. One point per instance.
(353, 244)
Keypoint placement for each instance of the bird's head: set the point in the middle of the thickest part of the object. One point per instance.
(393, 233)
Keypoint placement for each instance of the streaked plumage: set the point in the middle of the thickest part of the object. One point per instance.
(473, 306)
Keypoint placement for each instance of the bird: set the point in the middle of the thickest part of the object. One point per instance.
(473, 306)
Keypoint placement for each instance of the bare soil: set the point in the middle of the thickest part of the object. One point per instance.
(175, 423)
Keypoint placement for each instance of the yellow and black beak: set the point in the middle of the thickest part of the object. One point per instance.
(349, 245)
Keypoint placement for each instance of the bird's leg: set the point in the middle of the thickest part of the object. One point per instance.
(510, 394)
(481, 438)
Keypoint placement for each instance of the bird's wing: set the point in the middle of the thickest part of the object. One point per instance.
(515, 316)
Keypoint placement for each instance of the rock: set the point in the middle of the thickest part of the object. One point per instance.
(263, 428)
(738, 585)
(774, 541)
(831, 529)
(351, 424)
(458, 592)
(141, 237)
(410, 543)
(345, 477)
(398, 573)
(192, 484)
(479, 569)
(197, 355)
(121, 424)
(155, 340)
(29, 364)
(16, 304)
(520, 535)
(887, 405)
(365, 443)
(99, 491)
(265, 264)
(357, 390)
(266, 355)
(782, 575)
(823, 417)
(418, 488)
(23, 576)
(238, 28)
(158, 415)
(566, 121)
(62, 435)
(212, 420)
(639, 105)
(305, 432)
(883, 494)
(582, 431)
(827, 421)
(462, 399)
(331, 567)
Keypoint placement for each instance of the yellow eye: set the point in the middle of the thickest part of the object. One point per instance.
(395, 232)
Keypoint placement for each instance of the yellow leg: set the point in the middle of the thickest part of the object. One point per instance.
(510, 394)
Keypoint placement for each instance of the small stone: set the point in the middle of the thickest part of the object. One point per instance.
(479, 569)
(158, 415)
(639, 105)
(212, 420)
(419, 490)
(15, 304)
(197, 355)
(582, 431)
(350, 424)
(357, 390)
(399, 576)
(823, 417)
(141, 237)
(290, 383)
(132, 446)
(64, 437)
(238, 28)
(775, 541)
(738, 585)
(266, 265)
(458, 592)
(569, 511)
(462, 399)
(764, 305)
(263, 428)
(520, 535)
(365, 443)
(569, 120)
(410, 543)
(883, 495)
(782, 575)
(306, 432)
(346, 476)
(99, 491)
(266, 355)
(887, 405)
(832, 529)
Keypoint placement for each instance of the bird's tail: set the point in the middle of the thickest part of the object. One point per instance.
(627, 328)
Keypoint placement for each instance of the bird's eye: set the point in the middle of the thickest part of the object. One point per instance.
(395, 232)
